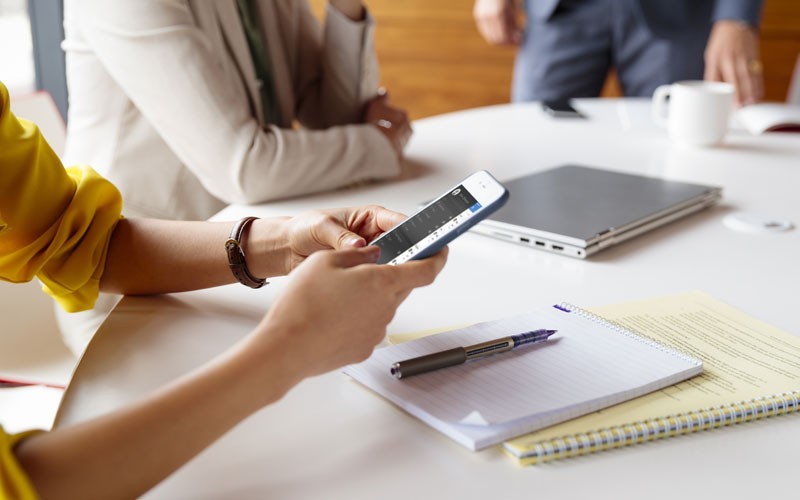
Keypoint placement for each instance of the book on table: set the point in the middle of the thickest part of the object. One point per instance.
(769, 117)
(751, 372)
(588, 365)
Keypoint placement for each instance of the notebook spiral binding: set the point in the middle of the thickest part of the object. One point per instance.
(659, 428)
(624, 331)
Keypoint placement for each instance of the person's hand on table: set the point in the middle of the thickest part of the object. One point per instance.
(336, 306)
(497, 21)
(392, 122)
(731, 56)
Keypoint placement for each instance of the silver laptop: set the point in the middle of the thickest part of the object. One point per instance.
(578, 211)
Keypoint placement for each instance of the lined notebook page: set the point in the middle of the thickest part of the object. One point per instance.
(586, 366)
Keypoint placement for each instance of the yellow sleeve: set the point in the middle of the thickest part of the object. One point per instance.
(55, 223)
(13, 481)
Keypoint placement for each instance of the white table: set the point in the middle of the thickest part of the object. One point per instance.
(331, 438)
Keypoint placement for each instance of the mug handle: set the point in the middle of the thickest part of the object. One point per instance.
(659, 107)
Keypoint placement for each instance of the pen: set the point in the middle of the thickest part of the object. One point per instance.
(458, 355)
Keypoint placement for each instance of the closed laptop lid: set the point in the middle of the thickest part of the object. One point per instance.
(588, 204)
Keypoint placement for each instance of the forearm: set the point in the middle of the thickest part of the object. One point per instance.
(148, 256)
(342, 155)
(337, 302)
(125, 453)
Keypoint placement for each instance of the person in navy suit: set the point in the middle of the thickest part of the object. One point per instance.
(568, 46)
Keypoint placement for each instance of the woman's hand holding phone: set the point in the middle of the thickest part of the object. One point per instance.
(296, 238)
(336, 307)
(442, 220)
(293, 240)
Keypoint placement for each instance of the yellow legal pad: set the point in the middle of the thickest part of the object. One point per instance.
(752, 371)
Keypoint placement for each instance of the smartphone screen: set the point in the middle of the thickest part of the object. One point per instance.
(440, 221)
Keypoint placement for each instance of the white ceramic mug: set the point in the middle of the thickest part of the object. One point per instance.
(698, 111)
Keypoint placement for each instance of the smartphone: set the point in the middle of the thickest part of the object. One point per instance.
(561, 109)
(439, 222)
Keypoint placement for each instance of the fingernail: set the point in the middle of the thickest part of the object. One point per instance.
(354, 242)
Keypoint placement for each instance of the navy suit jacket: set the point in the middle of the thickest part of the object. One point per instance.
(667, 14)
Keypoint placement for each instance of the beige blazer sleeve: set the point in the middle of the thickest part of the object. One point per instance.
(338, 72)
(194, 97)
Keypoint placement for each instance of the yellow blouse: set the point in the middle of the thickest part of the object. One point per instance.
(13, 481)
(55, 224)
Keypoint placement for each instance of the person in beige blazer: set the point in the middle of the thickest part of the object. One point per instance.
(165, 101)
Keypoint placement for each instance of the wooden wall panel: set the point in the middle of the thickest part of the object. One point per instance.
(433, 60)
(780, 45)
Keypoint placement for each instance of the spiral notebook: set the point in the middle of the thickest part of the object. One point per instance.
(588, 365)
(751, 372)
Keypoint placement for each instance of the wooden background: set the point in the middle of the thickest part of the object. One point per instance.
(433, 60)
